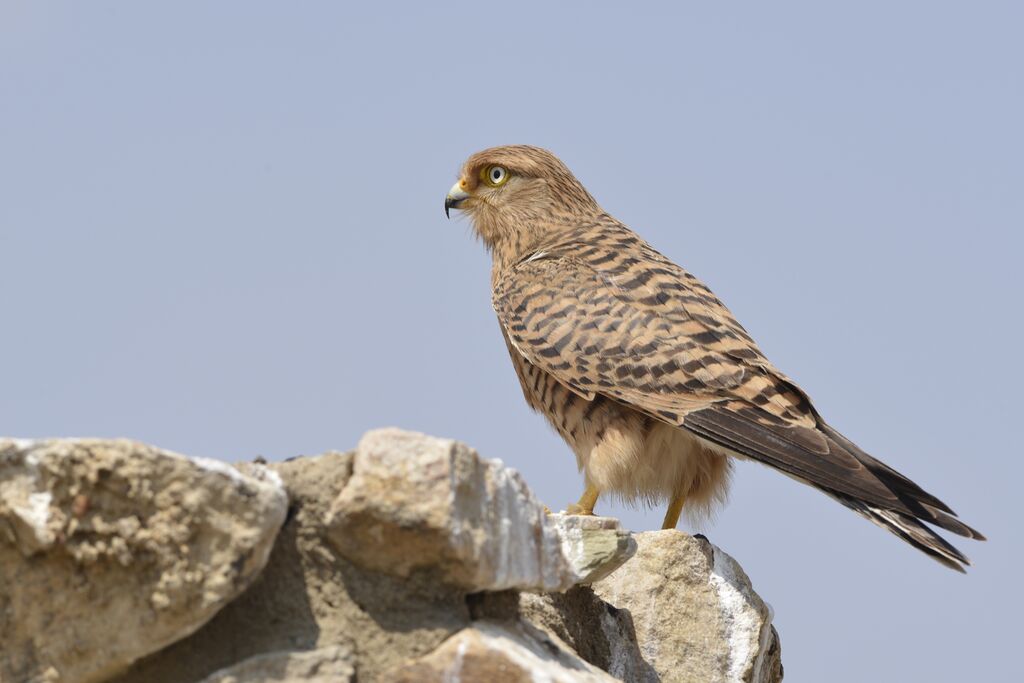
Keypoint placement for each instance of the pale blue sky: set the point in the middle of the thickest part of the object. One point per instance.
(221, 232)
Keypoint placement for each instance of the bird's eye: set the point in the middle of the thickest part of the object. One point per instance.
(495, 176)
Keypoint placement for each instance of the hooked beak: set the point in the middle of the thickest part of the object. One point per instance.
(455, 197)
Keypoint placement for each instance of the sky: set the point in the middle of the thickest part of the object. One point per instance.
(221, 232)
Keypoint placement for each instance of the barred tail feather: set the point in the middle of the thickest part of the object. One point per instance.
(923, 504)
(910, 530)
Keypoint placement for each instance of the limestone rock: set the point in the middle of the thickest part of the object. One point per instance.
(111, 550)
(593, 546)
(490, 651)
(696, 616)
(410, 560)
(598, 632)
(326, 665)
(422, 503)
(309, 597)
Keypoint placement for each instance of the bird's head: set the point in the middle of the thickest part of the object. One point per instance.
(517, 195)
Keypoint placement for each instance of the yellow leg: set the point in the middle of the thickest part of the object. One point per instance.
(586, 503)
(673, 512)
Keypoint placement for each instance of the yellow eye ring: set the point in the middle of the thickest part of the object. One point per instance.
(493, 175)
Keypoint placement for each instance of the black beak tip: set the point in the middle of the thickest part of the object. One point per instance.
(452, 203)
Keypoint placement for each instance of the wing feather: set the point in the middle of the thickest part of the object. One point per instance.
(653, 337)
(799, 451)
(580, 327)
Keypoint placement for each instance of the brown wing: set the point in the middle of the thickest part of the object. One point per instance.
(649, 335)
(576, 324)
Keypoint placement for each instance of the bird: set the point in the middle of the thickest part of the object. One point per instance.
(643, 371)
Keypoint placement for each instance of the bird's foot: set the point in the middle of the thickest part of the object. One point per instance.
(585, 505)
(577, 509)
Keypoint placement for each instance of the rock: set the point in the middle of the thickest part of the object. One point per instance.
(421, 503)
(112, 550)
(490, 651)
(594, 547)
(598, 632)
(412, 559)
(309, 597)
(696, 615)
(327, 665)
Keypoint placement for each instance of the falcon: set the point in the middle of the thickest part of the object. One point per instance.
(641, 369)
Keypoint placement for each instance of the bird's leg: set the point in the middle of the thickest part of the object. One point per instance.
(672, 514)
(585, 505)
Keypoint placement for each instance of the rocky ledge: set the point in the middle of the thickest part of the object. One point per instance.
(409, 559)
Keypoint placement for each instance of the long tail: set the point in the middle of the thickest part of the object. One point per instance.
(910, 530)
(926, 508)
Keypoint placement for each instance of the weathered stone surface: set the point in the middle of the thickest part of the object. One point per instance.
(600, 633)
(111, 550)
(326, 665)
(491, 651)
(593, 546)
(309, 597)
(115, 549)
(696, 615)
(421, 503)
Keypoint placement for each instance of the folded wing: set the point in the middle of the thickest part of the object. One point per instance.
(651, 336)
